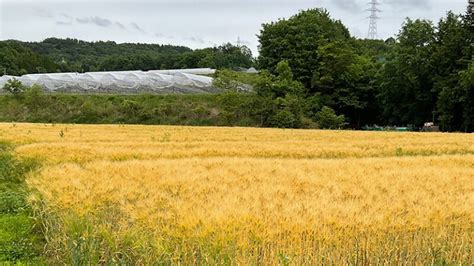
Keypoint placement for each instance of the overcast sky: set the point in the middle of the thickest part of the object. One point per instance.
(194, 23)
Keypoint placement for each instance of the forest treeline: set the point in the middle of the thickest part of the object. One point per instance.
(424, 74)
(71, 55)
(313, 72)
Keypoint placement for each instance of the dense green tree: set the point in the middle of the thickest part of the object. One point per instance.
(426, 76)
(297, 40)
(80, 56)
(450, 59)
(407, 95)
(279, 100)
(449, 51)
(14, 87)
(456, 103)
(73, 55)
(227, 80)
(467, 84)
(345, 82)
(376, 50)
(225, 56)
(327, 118)
(279, 86)
(18, 60)
(337, 70)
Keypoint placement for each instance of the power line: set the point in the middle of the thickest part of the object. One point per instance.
(374, 10)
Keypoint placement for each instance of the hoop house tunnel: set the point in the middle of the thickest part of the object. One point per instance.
(155, 81)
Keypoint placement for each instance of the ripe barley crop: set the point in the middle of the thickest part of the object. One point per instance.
(184, 195)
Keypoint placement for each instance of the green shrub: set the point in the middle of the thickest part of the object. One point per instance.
(14, 87)
(284, 119)
(327, 118)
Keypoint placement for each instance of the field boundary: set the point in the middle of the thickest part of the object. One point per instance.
(21, 238)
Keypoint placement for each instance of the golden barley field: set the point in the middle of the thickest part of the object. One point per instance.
(111, 194)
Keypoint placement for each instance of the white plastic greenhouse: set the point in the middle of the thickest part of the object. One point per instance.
(127, 82)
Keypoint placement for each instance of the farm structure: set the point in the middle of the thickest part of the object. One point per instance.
(126, 82)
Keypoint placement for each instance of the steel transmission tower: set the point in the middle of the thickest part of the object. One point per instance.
(374, 10)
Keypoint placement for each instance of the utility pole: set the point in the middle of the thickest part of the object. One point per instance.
(374, 10)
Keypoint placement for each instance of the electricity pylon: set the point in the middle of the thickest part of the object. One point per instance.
(374, 10)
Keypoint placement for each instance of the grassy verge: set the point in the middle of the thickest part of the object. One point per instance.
(21, 240)
(195, 110)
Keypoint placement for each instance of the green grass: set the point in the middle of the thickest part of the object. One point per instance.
(21, 240)
(193, 109)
